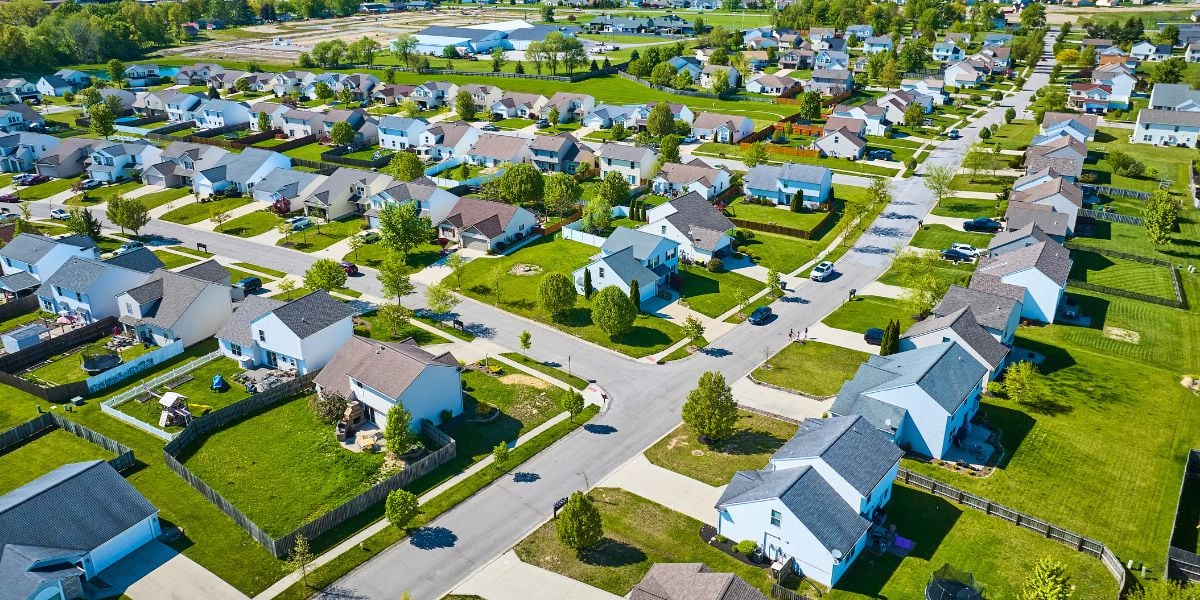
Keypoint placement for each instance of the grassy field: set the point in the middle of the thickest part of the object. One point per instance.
(813, 368)
(250, 225)
(199, 211)
(308, 152)
(550, 369)
(374, 254)
(753, 442)
(865, 312)
(773, 215)
(321, 237)
(1170, 163)
(953, 274)
(1132, 239)
(837, 164)
(102, 194)
(42, 191)
(1014, 136)
(983, 183)
(171, 260)
(714, 294)
(368, 326)
(940, 237)
(156, 199)
(48, 451)
(969, 208)
(1122, 274)
(261, 269)
(518, 293)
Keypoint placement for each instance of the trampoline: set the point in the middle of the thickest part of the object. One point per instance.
(948, 583)
(100, 361)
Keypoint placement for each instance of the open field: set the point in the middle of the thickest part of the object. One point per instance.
(814, 368)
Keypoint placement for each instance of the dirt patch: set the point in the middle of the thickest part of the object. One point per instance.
(1122, 335)
(523, 379)
(697, 453)
(679, 440)
(524, 270)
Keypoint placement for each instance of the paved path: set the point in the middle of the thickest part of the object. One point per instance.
(157, 572)
(777, 402)
(680, 493)
(882, 289)
(507, 578)
(821, 332)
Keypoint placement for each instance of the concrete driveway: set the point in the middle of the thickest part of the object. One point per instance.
(157, 572)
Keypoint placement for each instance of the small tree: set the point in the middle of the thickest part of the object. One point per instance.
(578, 524)
(1023, 383)
(612, 312)
(635, 296)
(263, 122)
(300, 557)
(556, 294)
(287, 285)
(526, 341)
(398, 431)
(440, 299)
(341, 134)
(1047, 581)
(1010, 114)
(325, 274)
(1161, 215)
(553, 115)
(571, 402)
(103, 120)
(456, 262)
(128, 213)
(710, 410)
(890, 344)
(498, 59)
(774, 281)
(402, 228)
(500, 455)
(82, 222)
(346, 96)
(405, 166)
(693, 328)
(938, 179)
(464, 105)
(393, 318)
(329, 406)
(755, 155)
(393, 278)
(402, 507)
(587, 284)
(354, 243)
(914, 115)
(562, 193)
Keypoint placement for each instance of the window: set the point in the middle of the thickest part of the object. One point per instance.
(129, 307)
(602, 272)
(776, 518)
(262, 335)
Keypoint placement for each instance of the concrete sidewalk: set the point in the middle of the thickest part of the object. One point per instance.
(777, 402)
(881, 289)
(677, 492)
(507, 578)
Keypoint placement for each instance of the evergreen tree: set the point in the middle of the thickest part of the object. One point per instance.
(710, 410)
(635, 296)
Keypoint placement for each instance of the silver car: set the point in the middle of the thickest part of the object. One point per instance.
(822, 271)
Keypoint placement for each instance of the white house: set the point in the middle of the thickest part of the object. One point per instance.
(695, 176)
(433, 202)
(434, 94)
(701, 231)
(212, 114)
(446, 140)
(771, 85)
(630, 255)
(20, 151)
(517, 104)
(962, 74)
(948, 52)
(721, 128)
(1036, 275)
(878, 44)
(812, 507)
(180, 107)
(88, 288)
(495, 149)
(1120, 79)
(382, 375)
(789, 182)
(1167, 128)
(998, 315)
(303, 334)
(962, 328)
(179, 163)
(930, 86)
(570, 107)
(53, 85)
(842, 142)
(67, 526)
(175, 306)
(1146, 51)
(923, 398)
(486, 225)
(708, 74)
(1064, 154)
(874, 118)
(40, 256)
(115, 162)
(17, 90)
(342, 191)
(400, 133)
(142, 75)
(634, 163)
(1080, 127)
(1059, 194)
(240, 172)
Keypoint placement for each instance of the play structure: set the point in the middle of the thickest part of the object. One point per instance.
(175, 410)
(949, 583)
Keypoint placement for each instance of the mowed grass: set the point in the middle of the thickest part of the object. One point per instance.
(550, 369)
(368, 326)
(864, 312)
(776, 215)
(814, 368)
(969, 208)
(375, 254)
(519, 294)
(195, 212)
(250, 225)
(1171, 163)
(754, 440)
(200, 397)
(1122, 274)
(68, 368)
(172, 260)
(714, 294)
(940, 237)
(311, 239)
(43, 453)
(983, 183)
(156, 199)
(1014, 136)
(282, 467)
(1132, 239)
(42, 191)
(102, 194)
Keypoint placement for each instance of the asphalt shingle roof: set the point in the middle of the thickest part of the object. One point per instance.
(1045, 217)
(697, 218)
(388, 368)
(642, 242)
(692, 581)
(859, 452)
(990, 310)
(312, 313)
(141, 259)
(237, 328)
(963, 323)
(945, 372)
(31, 247)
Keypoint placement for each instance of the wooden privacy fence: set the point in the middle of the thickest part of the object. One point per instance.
(12, 364)
(1111, 217)
(803, 234)
(1183, 565)
(787, 150)
(17, 435)
(20, 306)
(1048, 530)
(281, 546)
(1179, 301)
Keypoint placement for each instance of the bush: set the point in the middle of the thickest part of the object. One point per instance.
(446, 415)
(974, 98)
(715, 265)
(483, 409)
(746, 547)
(328, 406)
(741, 249)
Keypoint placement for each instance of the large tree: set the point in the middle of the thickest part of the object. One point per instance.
(519, 184)
(325, 274)
(405, 48)
(556, 294)
(578, 525)
(402, 228)
(128, 213)
(562, 193)
(405, 166)
(103, 120)
(612, 311)
(464, 105)
(82, 222)
(660, 122)
(810, 106)
(1161, 215)
(342, 133)
(710, 410)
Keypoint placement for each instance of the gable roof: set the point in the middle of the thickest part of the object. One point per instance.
(288, 183)
(32, 247)
(499, 147)
(388, 368)
(237, 328)
(768, 177)
(643, 243)
(945, 372)
(710, 120)
(1186, 118)
(1053, 260)
(860, 453)
(696, 170)
(697, 218)
(1030, 232)
(312, 313)
(141, 259)
(623, 152)
(990, 310)
(489, 218)
(168, 296)
(628, 268)
(1050, 221)
(963, 323)
(692, 581)
(1057, 186)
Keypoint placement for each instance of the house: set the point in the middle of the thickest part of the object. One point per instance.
(400, 133)
(997, 58)
(288, 184)
(361, 85)
(922, 398)
(143, 75)
(701, 231)
(517, 104)
(630, 255)
(20, 151)
(1064, 154)
(811, 507)
(41, 256)
(878, 44)
(175, 306)
(830, 60)
(679, 112)
(1052, 223)
(179, 163)
(274, 112)
(63, 529)
(832, 82)
(486, 225)
(816, 35)
(692, 581)
(634, 163)
(53, 85)
(706, 75)
(115, 162)
(238, 172)
(1144, 50)
(289, 83)
(789, 182)
(1056, 124)
(392, 94)
(1192, 54)
(301, 335)
(482, 96)
(771, 85)
(758, 59)
(68, 159)
(725, 129)
(180, 107)
(570, 107)
(125, 98)
(212, 114)
(342, 191)
(1036, 275)
(872, 117)
(962, 74)
(998, 315)
(998, 39)
(197, 74)
(607, 115)
(88, 287)
(796, 59)
(844, 141)
(686, 64)
(1090, 97)
(948, 52)
(962, 328)
(696, 176)
(446, 140)
(1174, 96)
(434, 94)
(77, 79)
(382, 375)
(495, 149)
(432, 202)
(226, 81)
(932, 87)
(559, 153)
(20, 117)
(861, 32)
(1120, 79)
(1059, 194)
(17, 90)
(1167, 128)
(1016, 239)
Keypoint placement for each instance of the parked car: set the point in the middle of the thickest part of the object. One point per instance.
(22, 178)
(822, 271)
(32, 180)
(760, 315)
(873, 336)
(298, 223)
(542, 123)
(60, 214)
(11, 198)
(489, 127)
(128, 247)
(89, 184)
(249, 284)
(369, 236)
(880, 154)
(953, 135)
(967, 249)
(954, 255)
(983, 224)
(349, 267)
(691, 139)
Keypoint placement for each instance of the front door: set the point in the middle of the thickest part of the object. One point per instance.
(272, 360)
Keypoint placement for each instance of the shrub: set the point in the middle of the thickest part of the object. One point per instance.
(746, 547)
(328, 406)
(715, 265)
(741, 249)
(483, 409)
(974, 98)
(722, 539)
(446, 415)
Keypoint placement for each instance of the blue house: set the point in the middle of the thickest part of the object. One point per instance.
(997, 39)
(861, 32)
(788, 182)
(686, 63)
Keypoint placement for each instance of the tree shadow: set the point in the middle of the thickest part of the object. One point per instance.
(643, 337)
(749, 441)
(525, 477)
(432, 538)
(611, 553)
(599, 429)
(1055, 359)
(715, 352)
(335, 592)
(698, 284)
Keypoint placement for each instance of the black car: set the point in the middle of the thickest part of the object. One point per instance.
(760, 315)
(983, 224)
(955, 255)
(249, 284)
(873, 336)
(880, 154)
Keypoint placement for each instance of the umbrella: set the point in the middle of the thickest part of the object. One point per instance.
(64, 320)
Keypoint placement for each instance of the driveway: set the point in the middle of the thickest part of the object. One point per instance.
(157, 572)
(507, 578)
(777, 402)
(680, 493)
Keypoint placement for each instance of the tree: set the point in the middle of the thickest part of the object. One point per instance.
(405, 48)
(938, 179)
(693, 328)
(755, 155)
(810, 106)
(587, 284)
(1169, 35)
(578, 524)
(918, 274)
(342, 133)
(402, 507)
(103, 120)
(363, 50)
(681, 80)
(409, 108)
(128, 213)
(1161, 215)
(1169, 71)
(617, 132)
(612, 311)
(976, 160)
(346, 96)
(464, 105)
(635, 296)
(774, 280)
(520, 184)
(1087, 58)
(1165, 590)
(858, 208)
(116, 72)
(402, 228)
(82, 222)
(891, 339)
(597, 214)
(1070, 56)
(89, 97)
(323, 92)
(719, 57)
(300, 556)
(263, 122)
(660, 122)
(914, 115)
(571, 402)
(710, 410)
(440, 299)
(393, 278)
(393, 318)
(668, 148)
(556, 294)
(1009, 114)
(500, 455)
(1023, 383)
(662, 74)
(354, 243)
(719, 82)
(405, 166)
(455, 262)
(498, 59)
(398, 431)
(526, 341)
(328, 406)
(286, 285)
(889, 77)
(325, 274)
(1048, 580)
(547, 13)
(1033, 16)
(561, 193)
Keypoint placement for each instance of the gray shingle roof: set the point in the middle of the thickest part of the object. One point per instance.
(77, 274)
(19, 281)
(629, 269)
(209, 270)
(969, 331)
(31, 247)
(388, 368)
(1051, 258)
(697, 218)
(485, 216)
(1172, 95)
(1169, 117)
(1007, 241)
(945, 372)
(624, 152)
(1051, 222)
(287, 183)
(237, 328)
(990, 310)
(808, 497)
(859, 452)
(643, 243)
(692, 581)
(141, 259)
(312, 313)
(767, 177)
(169, 296)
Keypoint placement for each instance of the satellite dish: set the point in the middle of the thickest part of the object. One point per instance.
(837, 555)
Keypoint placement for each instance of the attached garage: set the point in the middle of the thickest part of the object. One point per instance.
(474, 241)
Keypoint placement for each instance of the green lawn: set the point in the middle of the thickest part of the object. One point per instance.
(776, 215)
(782, 253)
(940, 237)
(1014, 136)
(514, 123)
(261, 269)
(250, 225)
(1171, 163)
(814, 368)
(1122, 274)
(969, 208)
(1132, 239)
(308, 152)
(102, 194)
(156, 199)
(837, 164)
(37, 456)
(953, 274)
(754, 440)
(171, 260)
(320, 237)
(637, 534)
(547, 369)
(67, 368)
(198, 211)
(192, 251)
(367, 326)
(518, 293)
(201, 398)
(14, 322)
(42, 191)
(282, 467)
(374, 254)
(714, 294)
(865, 312)
(983, 183)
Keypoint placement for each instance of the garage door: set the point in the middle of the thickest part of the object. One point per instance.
(474, 243)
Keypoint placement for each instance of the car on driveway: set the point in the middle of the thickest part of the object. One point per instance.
(691, 139)
(89, 184)
(349, 267)
(369, 236)
(966, 249)
(249, 284)
(760, 315)
(128, 247)
(60, 214)
(32, 180)
(10, 198)
(489, 127)
(880, 154)
(298, 223)
(873, 336)
(822, 271)
(983, 224)
(542, 124)
(954, 255)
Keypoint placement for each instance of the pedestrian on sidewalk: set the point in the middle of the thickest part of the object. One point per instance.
(791, 335)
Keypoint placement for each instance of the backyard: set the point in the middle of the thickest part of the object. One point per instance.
(321, 236)
(754, 440)
(808, 220)
(813, 368)
(864, 312)
(1168, 162)
(172, 260)
(67, 368)
(43, 453)
(195, 212)
(714, 294)
(196, 387)
(1122, 274)
(1014, 136)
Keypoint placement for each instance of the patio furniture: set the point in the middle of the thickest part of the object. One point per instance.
(368, 441)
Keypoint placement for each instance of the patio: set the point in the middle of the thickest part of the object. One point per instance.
(261, 379)
(973, 447)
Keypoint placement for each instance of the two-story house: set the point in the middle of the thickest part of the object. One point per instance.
(485, 225)
(790, 182)
(446, 140)
(701, 231)
(400, 133)
(17, 89)
(20, 151)
(433, 202)
(434, 94)
(143, 75)
(962, 328)
(179, 162)
(87, 287)
(518, 105)
(115, 162)
(302, 335)
(635, 164)
(630, 255)
(238, 172)
(725, 129)
(998, 315)
(40, 256)
(696, 176)
(274, 112)
(212, 114)
(1035, 274)
(19, 117)
(287, 184)
(175, 306)
(342, 191)
(560, 153)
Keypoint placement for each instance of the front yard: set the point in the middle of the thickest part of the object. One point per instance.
(970, 208)
(195, 212)
(714, 294)
(375, 254)
(865, 312)
(1014, 136)
(250, 225)
(983, 183)
(42, 191)
(102, 194)
(813, 368)
(940, 237)
(156, 199)
(172, 260)
(44, 453)
(322, 236)
(755, 439)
